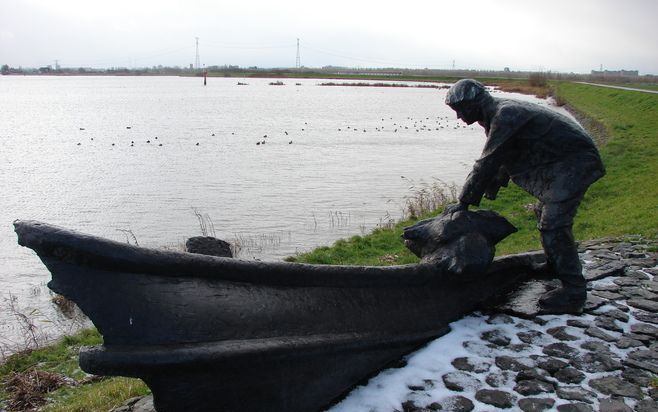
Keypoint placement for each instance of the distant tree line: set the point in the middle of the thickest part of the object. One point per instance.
(535, 78)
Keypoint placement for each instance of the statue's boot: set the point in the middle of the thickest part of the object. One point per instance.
(562, 258)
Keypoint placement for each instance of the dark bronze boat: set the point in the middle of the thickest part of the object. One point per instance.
(219, 334)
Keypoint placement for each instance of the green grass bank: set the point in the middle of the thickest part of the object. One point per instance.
(624, 202)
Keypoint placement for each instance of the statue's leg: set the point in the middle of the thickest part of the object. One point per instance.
(562, 257)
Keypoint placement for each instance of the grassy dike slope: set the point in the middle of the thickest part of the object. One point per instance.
(624, 202)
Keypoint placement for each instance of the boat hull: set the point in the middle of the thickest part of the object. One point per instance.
(210, 333)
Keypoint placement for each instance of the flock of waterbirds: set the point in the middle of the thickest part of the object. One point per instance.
(407, 125)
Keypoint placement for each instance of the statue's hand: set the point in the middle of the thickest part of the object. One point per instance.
(455, 207)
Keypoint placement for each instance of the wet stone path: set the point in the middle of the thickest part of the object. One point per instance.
(604, 360)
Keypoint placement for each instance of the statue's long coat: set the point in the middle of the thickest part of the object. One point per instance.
(544, 152)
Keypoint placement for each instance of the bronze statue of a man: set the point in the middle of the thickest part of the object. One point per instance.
(549, 156)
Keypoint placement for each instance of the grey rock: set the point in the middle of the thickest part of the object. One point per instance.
(435, 406)
(478, 348)
(470, 365)
(596, 362)
(642, 262)
(531, 336)
(616, 386)
(519, 347)
(514, 364)
(595, 332)
(637, 376)
(536, 404)
(457, 404)
(607, 323)
(596, 346)
(603, 256)
(494, 397)
(620, 306)
(577, 323)
(653, 393)
(498, 379)
(499, 319)
(593, 303)
(137, 404)
(575, 407)
(652, 286)
(604, 269)
(496, 337)
(575, 393)
(410, 406)
(531, 373)
(533, 387)
(608, 288)
(646, 405)
(206, 245)
(639, 293)
(643, 359)
(616, 314)
(551, 365)
(569, 375)
(636, 274)
(596, 244)
(613, 405)
(647, 317)
(625, 342)
(608, 295)
(644, 304)
(626, 281)
(645, 339)
(560, 350)
(645, 329)
(460, 381)
(560, 333)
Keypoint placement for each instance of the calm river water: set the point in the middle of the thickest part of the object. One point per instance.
(103, 155)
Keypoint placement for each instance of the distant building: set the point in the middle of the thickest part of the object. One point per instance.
(625, 73)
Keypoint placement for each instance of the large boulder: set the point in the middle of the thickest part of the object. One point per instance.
(207, 245)
(461, 242)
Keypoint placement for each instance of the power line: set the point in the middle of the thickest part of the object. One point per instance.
(248, 46)
(373, 61)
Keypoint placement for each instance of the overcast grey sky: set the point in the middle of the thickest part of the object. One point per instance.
(557, 35)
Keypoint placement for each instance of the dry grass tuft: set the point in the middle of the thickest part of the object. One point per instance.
(28, 389)
(426, 197)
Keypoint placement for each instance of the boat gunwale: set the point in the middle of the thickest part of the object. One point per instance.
(68, 246)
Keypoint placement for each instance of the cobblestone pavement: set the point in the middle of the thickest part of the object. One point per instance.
(603, 360)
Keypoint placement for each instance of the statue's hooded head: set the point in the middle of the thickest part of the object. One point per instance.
(466, 97)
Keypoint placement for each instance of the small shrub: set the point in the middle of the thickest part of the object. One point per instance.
(538, 79)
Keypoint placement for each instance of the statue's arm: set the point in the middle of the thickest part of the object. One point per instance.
(481, 177)
(500, 180)
(488, 175)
